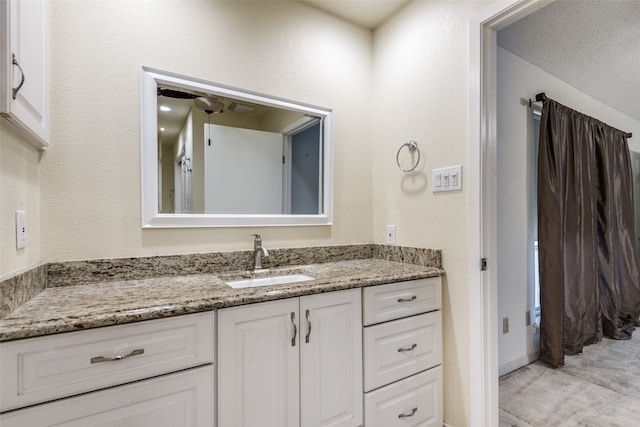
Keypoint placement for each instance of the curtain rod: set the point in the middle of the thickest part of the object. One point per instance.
(541, 97)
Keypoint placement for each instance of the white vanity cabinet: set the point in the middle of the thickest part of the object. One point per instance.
(183, 399)
(147, 374)
(24, 61)
(292, 362)
(403, 354)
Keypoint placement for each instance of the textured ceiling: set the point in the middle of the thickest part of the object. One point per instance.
(366, 13)
(592, 45)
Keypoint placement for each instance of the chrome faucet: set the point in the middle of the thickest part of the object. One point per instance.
(259, 252)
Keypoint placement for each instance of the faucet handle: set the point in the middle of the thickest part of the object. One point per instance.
(257, 239)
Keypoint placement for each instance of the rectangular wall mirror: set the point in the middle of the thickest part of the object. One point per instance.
(219, 156)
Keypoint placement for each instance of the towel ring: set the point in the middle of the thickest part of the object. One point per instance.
(412, 146)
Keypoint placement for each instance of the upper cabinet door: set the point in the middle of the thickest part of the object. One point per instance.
(331, 359)
(24, 63)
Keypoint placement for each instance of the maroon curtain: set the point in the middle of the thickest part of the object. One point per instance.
(589, 280)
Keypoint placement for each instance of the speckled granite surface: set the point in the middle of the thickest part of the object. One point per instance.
(108, 270)
(109, 302)
(19, 289)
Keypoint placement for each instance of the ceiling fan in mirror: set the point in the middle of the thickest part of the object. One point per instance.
(208, 104)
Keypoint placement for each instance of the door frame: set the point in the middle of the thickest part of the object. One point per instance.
(482, 226)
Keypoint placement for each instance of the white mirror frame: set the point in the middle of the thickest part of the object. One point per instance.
(152, 218)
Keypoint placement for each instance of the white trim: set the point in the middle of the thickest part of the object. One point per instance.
(152, 218)
(517, 363)
(482, 182)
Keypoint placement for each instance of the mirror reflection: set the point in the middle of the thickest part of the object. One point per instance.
(220, 154)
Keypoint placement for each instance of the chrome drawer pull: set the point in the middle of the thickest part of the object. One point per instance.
(400, 350)
(295, 329)
(407, 299)
(413, 412)
(116, 358)
(309, 330)
(15, 90)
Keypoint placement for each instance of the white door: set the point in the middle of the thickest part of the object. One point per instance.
(258, 365)
(183, 399)
(243, 171)
(331, 359)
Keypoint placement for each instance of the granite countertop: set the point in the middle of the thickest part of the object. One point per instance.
(78, 307)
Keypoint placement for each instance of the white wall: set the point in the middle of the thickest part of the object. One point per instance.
(519, 79)
(19, 190)
(421, 81)
(91, 173)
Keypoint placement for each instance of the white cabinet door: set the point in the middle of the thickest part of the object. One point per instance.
(258, 365)
(293, 362)
(184, 399)
(331, 359)
(24, 62)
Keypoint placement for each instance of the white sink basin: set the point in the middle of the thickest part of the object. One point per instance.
(268, 281)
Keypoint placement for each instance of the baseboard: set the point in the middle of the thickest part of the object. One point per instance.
(517, 363)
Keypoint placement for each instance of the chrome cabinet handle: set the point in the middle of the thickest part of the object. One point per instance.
(295, 329)
(402, 349)
(116, 358)
(407, 299)
(16, 89)
(306, 339)
(413, 412)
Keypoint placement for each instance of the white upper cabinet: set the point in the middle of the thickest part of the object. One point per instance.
(24, 26)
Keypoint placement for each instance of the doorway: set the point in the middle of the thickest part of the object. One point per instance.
(483, 157)
(483, 336)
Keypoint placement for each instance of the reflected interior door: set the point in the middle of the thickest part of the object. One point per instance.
(243, 171)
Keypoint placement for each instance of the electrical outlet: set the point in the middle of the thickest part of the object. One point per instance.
(505, 325)
(391, 234)
(21, 229)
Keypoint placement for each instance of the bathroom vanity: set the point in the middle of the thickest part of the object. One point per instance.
(192, 351)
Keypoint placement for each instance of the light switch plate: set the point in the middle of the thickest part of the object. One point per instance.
(447, 179)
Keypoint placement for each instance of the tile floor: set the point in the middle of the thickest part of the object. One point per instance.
(598, 388)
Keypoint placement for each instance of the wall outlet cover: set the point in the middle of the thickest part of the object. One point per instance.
(21, 229)
(391, 234)
(505, 325)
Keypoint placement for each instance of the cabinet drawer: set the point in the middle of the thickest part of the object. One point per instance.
(182, 399)
(35, 370)
(402, 299)
(401, 348)
(414, 401)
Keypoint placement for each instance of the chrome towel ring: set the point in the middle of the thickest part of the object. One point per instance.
(412, 146)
